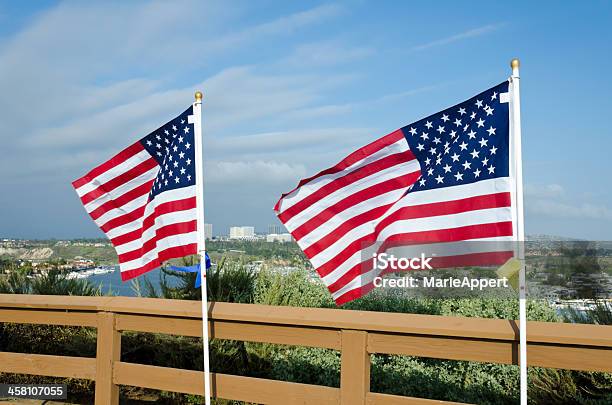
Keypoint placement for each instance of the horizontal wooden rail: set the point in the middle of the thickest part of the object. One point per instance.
(357, 334)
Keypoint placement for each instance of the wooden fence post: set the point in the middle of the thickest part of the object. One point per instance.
(108, 351)
(355, 368)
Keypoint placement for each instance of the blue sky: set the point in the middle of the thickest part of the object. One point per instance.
(290, 88)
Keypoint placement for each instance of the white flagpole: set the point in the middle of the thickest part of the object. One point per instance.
(197, 123)
(520, 226)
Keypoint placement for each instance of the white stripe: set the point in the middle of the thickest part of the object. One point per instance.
(486, 216)
(162, 244)
(342, 243)
(324, 229)
(166, 196)
(483, 187)
(343, 268)
(392, 172)
(121, 190)
(315, 184)
(125, 209)
(359, 281)
(176, 217)
(113, 172)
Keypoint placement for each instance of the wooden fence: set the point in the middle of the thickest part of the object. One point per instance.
(356, 334)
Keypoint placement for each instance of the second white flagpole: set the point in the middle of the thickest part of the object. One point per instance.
(201, 238)
(520, 226)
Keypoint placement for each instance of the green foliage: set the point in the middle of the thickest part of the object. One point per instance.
(601, 314)
(294, 289)
(52, 282)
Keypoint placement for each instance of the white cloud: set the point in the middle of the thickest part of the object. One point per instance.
(472, 33)
(551, 200)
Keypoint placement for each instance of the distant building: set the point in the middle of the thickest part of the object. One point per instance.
(242, 232)
(276, 237)
(208, 231)
(275, 229)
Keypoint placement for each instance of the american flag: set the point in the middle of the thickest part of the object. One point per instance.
(144, 198)
(442, 179)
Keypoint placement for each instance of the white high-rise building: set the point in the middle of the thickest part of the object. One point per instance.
(208, 231)
(242, 232)
(279, 237)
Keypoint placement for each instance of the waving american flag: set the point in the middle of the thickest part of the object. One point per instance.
(144, 198)
(445, 178)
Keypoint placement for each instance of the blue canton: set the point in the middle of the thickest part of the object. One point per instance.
(172, 145)
(462, 144)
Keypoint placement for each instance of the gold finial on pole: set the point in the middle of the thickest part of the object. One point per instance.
(515, 63)
(198, 96)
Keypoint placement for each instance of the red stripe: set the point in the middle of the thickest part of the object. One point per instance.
(170, 253)
(123, 219)
(354, 199)
(165, 208)
(355, 246)
(471, 259)
(361, 173)
(106, 166)
(344, 228)
(351, 159)
(354, 294)
(160, 233)
(355, 271)
(480, 202)
(120, 201)
(468, 232)
(120, 180)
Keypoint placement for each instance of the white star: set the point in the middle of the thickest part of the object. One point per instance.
(466, 165)
(491, 169)
(182, 155)
(480, 123)
(430, 171)
(425, 135)
(465, 128)
(420, 147)
(491, 130)
(170, 158)
(473, 115)
(166, 140)
(437, 140)
(187, 145)
(440, 179)
(477, 173)
(463, 145)
(461, 111)
(472, 134)
(483, 142)
(170, 173)
(459, 176)
(444, 117)
(175, 148)
(438, 160)
(488, 110)
(427, 161)
(189, 177)
(167, 150)
(447, 168)
(422, 182)
(180, 139)
(176, 180)
(174, 128)
(485, 161)
(166, 132)
(478, 103)
(175, 164)
(440, 129)
(453, 134)
(428, 125)
(455, 157)
(188, 162)
(149, 142)
(182, 121)
(432, 150)
(475, 154)
(494, 96)
(186, 129)
(493, 150)
(158, 146)
(412, 131)
(165, 182)
(158, 137)
(457, 121)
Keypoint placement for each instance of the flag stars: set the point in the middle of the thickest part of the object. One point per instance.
(493, 96)
(429, 125)
(477, 173)
(466, 165)
(485, 161)
(440, 129)
(473, 115)
(447, 168)
(186, 129)
(420, 147)
(488, 110)
(455, 157)
(461, 111)
(437, 140)
(474, 154)
(413, 131)
(187, 145)
(483, 142)
(472, 134)
(463, 145)
(445, 117)
(491, 130)
(432, 150)
(479, 103)
(440, 179)
(493, 150)
(430, 171)
(422, 182)
(180, 139)
(457, 122)
(458, 176)
(425, 136)
(491, 169)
